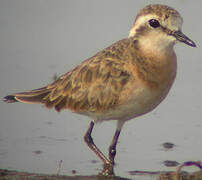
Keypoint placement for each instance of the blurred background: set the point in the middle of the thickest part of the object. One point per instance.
(40, 39)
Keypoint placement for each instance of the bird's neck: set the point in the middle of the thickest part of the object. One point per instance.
(156, 62)
(156, 44)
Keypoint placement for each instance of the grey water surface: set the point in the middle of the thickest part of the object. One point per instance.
(41, 38)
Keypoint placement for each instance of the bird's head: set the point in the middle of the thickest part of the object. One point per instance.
(159, 25)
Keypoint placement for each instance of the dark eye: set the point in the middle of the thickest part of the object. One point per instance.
(154, 23)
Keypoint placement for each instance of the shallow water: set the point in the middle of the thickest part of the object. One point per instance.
(39, 39)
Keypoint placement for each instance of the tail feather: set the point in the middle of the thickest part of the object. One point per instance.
(33, 96)
(9, 99)
(39, 96)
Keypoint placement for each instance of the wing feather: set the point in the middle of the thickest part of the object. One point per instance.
(95, 85)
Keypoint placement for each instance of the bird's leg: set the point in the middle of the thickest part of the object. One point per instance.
(108, 165)
(112, 148)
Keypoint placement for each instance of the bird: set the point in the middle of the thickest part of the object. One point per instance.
(129, 78)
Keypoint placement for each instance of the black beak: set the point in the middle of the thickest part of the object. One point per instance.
(182, 38)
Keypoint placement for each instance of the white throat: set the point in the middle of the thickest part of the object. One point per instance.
(156, 42)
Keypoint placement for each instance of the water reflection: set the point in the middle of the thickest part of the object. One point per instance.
(138, 175)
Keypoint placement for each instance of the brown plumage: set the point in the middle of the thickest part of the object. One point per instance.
(124, 81)
(95, 85)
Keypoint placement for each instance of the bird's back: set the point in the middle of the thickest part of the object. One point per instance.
(113, 84)
(95, 85)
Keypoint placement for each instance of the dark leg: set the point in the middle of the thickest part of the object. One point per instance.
(112, 148)
(108, 166)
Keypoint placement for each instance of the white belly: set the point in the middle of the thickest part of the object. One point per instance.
(142, 101)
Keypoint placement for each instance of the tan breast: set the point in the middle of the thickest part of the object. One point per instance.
(150, 84)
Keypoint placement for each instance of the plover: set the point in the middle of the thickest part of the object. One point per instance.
(127, 79)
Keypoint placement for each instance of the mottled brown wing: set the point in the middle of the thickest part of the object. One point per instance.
(93, 86)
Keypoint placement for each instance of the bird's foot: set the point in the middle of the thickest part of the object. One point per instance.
(108, 170)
